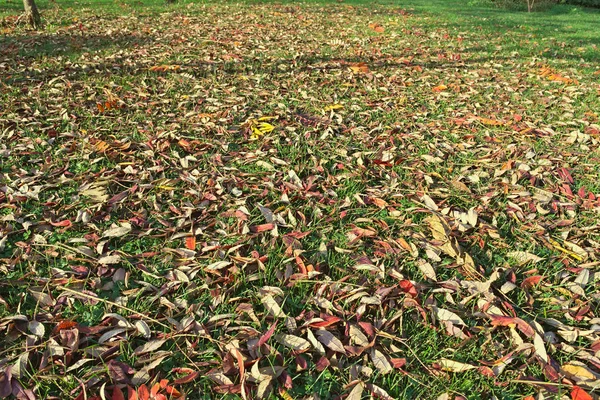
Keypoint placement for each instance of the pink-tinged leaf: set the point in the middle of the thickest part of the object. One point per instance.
(565, 175)
(486, 371)
(117, 394)
(301, 363)
(398, 362)
(267, 335)
(322, 364)
(5, 385)
(368, 328)
(378, 392)
(579, 394)
(21, 393)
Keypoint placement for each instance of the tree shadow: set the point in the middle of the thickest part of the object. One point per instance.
(71, 44)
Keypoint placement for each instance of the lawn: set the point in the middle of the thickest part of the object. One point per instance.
(299, 200)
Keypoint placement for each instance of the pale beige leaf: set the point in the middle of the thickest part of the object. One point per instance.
(379, 393)
(454, 366)
(110, 334)
(109, 260)
(427, 270)
(272, 307)
(429, 203)
(327, 338)
(36, 328)
(357, 337)
(117, 231)
(523, 257)
(445, 315)
(293, 342)
(356, 392)
(148, 347)
(540, 349)
(380, 362)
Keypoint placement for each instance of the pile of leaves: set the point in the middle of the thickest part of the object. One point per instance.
(224, 200)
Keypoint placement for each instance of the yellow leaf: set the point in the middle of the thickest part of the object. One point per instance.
(267, 118)
(333, 107)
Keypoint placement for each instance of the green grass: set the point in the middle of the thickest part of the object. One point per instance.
(344, 185)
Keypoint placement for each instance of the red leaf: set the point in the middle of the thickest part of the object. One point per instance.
(322, 364)
(267, 335)
(498, 320)
(579, 394)
(322, 324)
(531, 281)
(190, 242)
(188, 378)
(408, 287)
(143, 392)
(64, 223)
(117, 394)
(262, 228)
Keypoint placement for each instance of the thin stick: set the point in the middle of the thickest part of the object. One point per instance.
(87, 296)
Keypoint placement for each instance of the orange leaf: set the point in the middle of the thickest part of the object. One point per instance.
(360, 67)
(172, 391)
(143, 392)
(65, 325)
(531, 281)
(491, 122)
(155, 389)
(131, 394)
(377, 28)
(440, 88)
(408, 287)
(190, 242)
(579, 394)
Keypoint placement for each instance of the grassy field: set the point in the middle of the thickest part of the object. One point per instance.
(299, 200)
